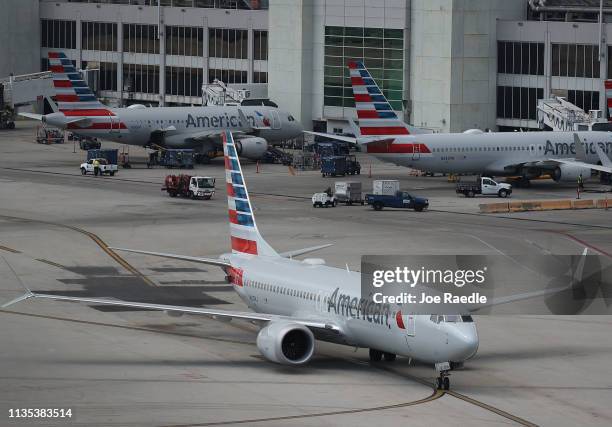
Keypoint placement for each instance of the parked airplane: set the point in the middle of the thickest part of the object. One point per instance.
(199, 128)
(297, 302)
(563, 155)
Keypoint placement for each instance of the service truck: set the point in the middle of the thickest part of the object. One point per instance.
(189, 186)
(470, 186)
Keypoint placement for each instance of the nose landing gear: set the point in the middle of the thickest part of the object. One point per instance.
(443, 382)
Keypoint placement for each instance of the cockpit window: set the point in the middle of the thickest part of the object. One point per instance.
(290, 118)
(452, 318)
(467, 319)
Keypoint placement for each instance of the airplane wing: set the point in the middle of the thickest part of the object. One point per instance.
(208, 312)
(209, 261)
(535, 294)
(350, 139)
(606, 169)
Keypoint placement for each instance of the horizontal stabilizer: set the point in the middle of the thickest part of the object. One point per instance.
(32, 116)
(209, 261)
(298, 252)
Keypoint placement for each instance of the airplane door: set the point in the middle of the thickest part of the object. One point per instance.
(409, 323)
(416, 151)
(276, 123)
(114, 124)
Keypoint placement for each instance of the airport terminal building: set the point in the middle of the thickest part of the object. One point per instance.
(445, 65)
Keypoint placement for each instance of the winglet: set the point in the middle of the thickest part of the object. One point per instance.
(580, 148)
(23, 297)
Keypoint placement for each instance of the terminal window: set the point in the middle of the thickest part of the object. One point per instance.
(58, 33)
(184, 41)
(140, 38)
(520, 58)
(575, 60)
(99, 36)
(381, 50)
(518, 102)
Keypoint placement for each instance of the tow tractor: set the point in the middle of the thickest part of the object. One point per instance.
(189, 186)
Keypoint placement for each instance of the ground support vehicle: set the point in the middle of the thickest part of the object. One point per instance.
(400, 199)
(104, 167)
(470, 186)
(323, 200)
(189, 186)
(340, 165)
(348, 192)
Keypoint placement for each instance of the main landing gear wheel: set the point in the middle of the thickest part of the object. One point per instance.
(375, 355)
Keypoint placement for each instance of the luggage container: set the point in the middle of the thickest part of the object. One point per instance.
(348, 192)
(385, 187)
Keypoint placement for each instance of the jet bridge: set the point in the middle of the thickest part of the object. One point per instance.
(218, 93)
(561, 115)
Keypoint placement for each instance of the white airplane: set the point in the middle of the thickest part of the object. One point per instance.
(563, 155)
(297, 302)
(199, 128)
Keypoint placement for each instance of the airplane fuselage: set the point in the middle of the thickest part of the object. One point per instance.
(293, 288)
(486, 153)
(137, 126)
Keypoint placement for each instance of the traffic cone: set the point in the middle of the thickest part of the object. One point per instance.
(257, 170)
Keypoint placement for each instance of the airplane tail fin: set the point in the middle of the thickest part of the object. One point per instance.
(71, 91)
(245, 236)
(376, 116)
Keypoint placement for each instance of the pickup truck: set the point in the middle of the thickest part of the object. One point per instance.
(400, 199)
(483, 185)
(105, 167)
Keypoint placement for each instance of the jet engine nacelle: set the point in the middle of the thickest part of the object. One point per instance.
(570, 173)
(286, 343)
(253, 147)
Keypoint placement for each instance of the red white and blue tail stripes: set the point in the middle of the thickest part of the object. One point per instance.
(608, 86)
(243, 230)
(376, 116)
(72, 93)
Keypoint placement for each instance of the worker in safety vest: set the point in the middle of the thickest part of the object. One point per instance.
(580, 182)
(96, 166)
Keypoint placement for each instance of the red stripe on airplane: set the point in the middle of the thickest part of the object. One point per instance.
(62, 83)
(227, 164)
(352, 65)
(367, 114)
(385, 130)
(362, 97)
(229, 187)
(56, 68)
(95, 112)
(244, 246)
(53, 55)
(98, 126)
(608, 84)
(392, 148)
(357, 81)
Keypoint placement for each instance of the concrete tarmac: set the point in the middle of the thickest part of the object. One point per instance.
(134, 367)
